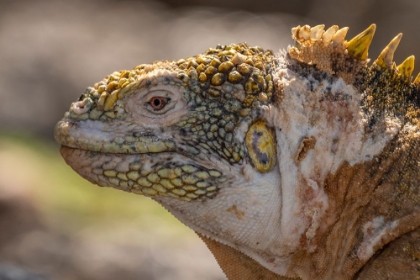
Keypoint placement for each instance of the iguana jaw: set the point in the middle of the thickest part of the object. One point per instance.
(161, 174)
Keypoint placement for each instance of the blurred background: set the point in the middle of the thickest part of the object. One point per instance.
(53, 224)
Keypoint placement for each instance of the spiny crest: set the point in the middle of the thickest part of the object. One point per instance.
(386, 89)
(386, 57)
(358, 46)
(417, 80)
(329, 51)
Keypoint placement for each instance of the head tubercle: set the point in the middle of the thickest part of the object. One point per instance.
(234, 71)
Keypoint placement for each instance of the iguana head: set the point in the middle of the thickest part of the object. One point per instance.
(175, 128)
(238, 142)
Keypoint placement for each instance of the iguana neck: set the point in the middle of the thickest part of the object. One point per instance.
(370, 203)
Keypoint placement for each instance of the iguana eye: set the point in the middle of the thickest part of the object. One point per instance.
(157, 103)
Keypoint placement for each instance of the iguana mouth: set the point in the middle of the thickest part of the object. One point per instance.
(134, 161)
(150, 175)
(99, 137)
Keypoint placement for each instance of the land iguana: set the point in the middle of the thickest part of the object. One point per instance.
(301, 164)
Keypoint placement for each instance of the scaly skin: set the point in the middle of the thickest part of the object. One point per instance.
(297, 165)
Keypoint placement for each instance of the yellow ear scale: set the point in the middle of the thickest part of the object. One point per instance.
(261, 144)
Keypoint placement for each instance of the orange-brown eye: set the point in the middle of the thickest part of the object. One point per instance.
(158, 102)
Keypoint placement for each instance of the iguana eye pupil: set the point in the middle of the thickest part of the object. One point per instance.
(158, 102)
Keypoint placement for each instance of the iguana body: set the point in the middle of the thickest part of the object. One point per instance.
(301, 164)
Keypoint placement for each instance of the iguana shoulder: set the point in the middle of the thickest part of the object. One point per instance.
(301, 164)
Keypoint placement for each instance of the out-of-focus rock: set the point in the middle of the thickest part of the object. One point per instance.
(30, 250)
(11, 272)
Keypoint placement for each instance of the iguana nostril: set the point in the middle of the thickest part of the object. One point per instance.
(183, 132)
(81, 107)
